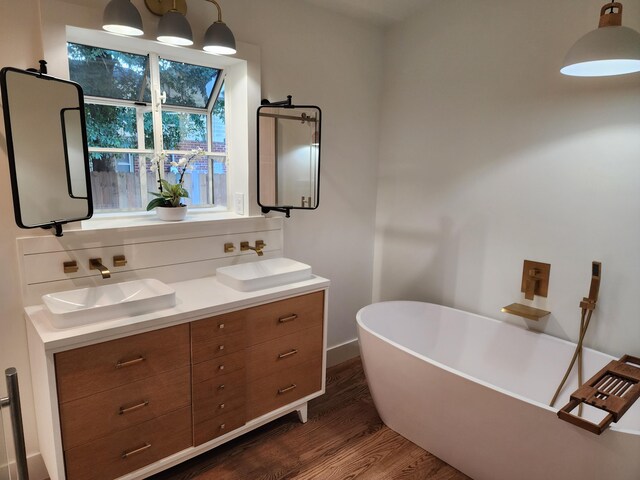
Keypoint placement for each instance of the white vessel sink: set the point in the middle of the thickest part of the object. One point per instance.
(95, 304)
(274, 272)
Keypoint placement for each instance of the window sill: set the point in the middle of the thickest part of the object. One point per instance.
(146, 220)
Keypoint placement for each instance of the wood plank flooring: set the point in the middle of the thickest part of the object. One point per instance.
(344, 438)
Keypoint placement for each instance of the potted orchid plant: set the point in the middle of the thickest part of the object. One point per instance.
(168, 201)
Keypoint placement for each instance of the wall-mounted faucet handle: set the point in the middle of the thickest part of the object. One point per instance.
(229, 248)
(119, 261)
(70, 267)
(535, 279)
(96, 264)
(535, 274)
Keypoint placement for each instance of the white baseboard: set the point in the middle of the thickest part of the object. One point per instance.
(343, 352)
(35, 465)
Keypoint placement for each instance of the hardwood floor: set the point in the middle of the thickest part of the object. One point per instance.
(343, 439)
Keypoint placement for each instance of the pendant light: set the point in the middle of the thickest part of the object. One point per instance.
(174, 28)
(121, 16)
(611, 49)
(218, 37)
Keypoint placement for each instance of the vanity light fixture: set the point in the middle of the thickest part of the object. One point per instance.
(611, 49)
(121, 16)
(218, 38)
(174, 28)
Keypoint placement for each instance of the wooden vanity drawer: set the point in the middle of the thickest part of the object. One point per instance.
(211, 402)
(279, 389)
(219, 367)
(202, 351)
(88, 418)
(283, 353)
(125, 451)
(209, 329)
(84, 371)
(273, 320)
(217, 426)
(220, 383)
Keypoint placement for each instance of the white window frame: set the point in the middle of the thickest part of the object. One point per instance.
(242, 90)
(157, 107)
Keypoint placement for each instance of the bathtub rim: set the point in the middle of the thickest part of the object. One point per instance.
(360, 324)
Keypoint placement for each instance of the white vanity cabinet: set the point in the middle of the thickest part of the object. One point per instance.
(126, 400)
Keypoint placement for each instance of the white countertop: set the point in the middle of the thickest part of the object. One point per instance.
(195, 299)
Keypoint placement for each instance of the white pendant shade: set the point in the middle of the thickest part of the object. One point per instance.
(121, 16)
(605, 51)
(609, 50)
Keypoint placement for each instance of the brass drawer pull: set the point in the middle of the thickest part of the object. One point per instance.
(221, 326)
(221, 367)
(221, 387)
(124, 410)
(223, 426)
(288, 354)
(287, 389)
(129, 363)
(126, 455)
(290, 318)
(220, 347)
(221, 406)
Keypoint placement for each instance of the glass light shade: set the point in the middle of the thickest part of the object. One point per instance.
(121, 16)
(606, 51)
(174, 29)
(219, 40)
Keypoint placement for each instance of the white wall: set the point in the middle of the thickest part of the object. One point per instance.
(489, 156)
(319, 58)
(331, 61)
(20, 46)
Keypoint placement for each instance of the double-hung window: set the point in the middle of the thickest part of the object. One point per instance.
(141, 105)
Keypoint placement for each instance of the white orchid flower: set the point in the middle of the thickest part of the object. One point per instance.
(174, 163)
(183, 161)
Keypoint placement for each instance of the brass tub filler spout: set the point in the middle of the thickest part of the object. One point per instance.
(96, 264)
(244, 246)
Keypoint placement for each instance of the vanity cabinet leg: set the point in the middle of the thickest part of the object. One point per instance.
(302, 413)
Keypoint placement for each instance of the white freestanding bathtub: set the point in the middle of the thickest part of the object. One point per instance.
(475, 391)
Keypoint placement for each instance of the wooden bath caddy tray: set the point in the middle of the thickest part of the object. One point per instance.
(613, 389)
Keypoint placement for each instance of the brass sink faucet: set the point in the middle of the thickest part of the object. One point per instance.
(96, 264)
(258, 248)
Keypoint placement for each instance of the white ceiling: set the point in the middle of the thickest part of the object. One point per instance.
(379, 12)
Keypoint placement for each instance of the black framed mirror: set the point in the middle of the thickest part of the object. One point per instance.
(47, 149)
(288, 156)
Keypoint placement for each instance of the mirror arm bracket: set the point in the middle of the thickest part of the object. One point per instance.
(285, 210)
(42, 70)
(56, 226)
(284, 103)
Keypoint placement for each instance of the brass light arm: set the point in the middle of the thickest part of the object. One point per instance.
(219, 10)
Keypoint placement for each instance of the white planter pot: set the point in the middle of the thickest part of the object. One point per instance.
(172, 214)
